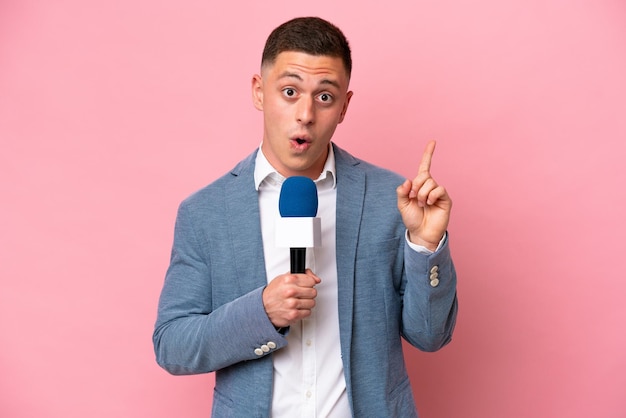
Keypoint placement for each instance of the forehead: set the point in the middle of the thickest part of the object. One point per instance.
(296, 62)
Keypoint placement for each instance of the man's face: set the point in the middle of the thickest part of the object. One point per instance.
(303, 98)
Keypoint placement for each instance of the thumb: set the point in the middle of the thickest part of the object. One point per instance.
(403, 191)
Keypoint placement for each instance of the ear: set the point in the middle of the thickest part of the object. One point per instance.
(345, 106)
(257, 92)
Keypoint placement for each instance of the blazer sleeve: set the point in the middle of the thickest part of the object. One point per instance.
(191, 335)
(429, 302)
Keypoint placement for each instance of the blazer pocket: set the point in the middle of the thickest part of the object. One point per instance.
(222, 405)
(367, 249)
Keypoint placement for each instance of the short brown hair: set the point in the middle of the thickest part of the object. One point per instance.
(311, 35)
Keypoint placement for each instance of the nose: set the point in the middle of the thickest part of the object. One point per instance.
(305, 110)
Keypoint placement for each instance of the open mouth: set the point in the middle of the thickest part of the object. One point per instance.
(300, 143)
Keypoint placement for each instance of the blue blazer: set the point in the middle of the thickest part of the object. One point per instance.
(211, 315)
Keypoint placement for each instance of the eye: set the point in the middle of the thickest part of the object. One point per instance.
(289, 92)
(325, 98)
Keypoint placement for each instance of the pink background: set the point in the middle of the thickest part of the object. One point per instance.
(112, 112)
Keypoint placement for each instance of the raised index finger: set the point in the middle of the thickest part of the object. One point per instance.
(427, 157)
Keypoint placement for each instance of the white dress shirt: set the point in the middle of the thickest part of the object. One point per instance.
(308, 373)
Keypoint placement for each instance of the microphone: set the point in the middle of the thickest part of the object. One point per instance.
(297, 227)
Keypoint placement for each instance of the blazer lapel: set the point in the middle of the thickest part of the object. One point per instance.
(350, 199)
(244, 224)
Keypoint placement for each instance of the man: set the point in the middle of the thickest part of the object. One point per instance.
(326, 343)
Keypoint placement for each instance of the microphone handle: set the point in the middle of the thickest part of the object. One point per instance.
(298, 260)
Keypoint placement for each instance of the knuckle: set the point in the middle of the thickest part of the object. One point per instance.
(292, 316)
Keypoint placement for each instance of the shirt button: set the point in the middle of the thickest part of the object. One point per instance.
(308, 343)
(258, 351)
(434, 282)
(308, 394)
(271, 345)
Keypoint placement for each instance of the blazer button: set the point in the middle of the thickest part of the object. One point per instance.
(271, 345)
(258, 351)
(435, 269)
(265, 348)
(434, 282)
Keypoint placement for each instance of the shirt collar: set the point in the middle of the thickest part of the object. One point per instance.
(264, 172)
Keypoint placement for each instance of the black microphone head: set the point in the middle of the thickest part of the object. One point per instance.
(298, 198)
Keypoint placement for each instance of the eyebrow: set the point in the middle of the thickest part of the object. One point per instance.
(288, 74)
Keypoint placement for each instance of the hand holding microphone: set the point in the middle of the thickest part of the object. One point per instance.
(290, 297)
